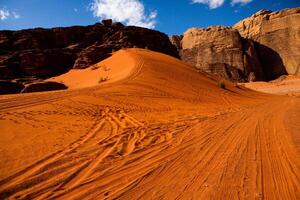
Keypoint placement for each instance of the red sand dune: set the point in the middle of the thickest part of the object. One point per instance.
(110, 70)
(158, 130)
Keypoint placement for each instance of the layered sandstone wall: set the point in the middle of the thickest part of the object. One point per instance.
(221, 50)
(278, 37)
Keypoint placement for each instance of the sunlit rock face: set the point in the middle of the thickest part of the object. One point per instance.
(278, 37)
(222, 51)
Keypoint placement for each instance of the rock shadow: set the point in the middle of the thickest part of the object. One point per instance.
(271, 62)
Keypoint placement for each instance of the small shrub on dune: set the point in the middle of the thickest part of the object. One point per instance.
(103, 79)
(105, 68)
(94, 67)
(222, 85)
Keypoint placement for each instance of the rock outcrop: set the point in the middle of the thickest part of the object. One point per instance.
(43, 53)
(9, 87)
(222, 51)
(176, 40)
(44, 86)
(277, 35)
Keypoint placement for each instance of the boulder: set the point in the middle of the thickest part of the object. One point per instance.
(44, 86)
(277, 37)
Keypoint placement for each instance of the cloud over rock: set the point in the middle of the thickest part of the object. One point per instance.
(212, 4)
(130, 12)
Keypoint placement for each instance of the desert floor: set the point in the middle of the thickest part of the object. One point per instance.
(285, 85)
(157, 130)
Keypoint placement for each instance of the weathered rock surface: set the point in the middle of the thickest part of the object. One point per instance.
(222, 51)
(176, 40)
(43, 53)
(277, 35)
(44, 86)
(8, 87)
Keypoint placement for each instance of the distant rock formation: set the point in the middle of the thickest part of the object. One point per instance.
(42, 53)
(220, 50)
(261, 47)
(278, 37)
(44, 86)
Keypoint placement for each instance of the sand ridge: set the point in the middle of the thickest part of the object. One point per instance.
(107, 71)
(164, 130)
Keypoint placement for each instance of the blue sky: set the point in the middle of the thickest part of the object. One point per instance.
(169, 16)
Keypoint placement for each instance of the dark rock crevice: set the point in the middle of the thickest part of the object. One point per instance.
(271, 62)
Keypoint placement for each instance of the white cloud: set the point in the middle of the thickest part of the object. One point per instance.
(217, 3)
(211, 3)
(5, 14)
(233, 2)
(15, 15)
(75, 10)
(130, 12)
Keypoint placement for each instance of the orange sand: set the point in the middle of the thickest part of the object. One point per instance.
(107, 71)
(161, 131)
(286, 85)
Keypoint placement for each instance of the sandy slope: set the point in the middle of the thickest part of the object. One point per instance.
(164, 131)
(107, 71)
(285, 85)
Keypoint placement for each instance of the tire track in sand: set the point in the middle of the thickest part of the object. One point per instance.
(116, 119)
(34, 169)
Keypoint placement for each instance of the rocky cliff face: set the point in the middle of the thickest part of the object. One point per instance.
(176, 40)
(261, 47)
(41, 53)
(222, 51)
(277, 35)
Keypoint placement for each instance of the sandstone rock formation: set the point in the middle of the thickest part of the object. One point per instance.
(44, 86)
(278, 40)
(176, 40)
(43, 53)
(222, 51)
(9, 87)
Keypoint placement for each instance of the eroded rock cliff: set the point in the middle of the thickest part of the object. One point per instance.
(261, 47)
(221, 50)
(277, 35)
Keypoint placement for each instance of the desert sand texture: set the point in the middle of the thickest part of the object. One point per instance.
(158, 130)
(285, 85)
(110, 70)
